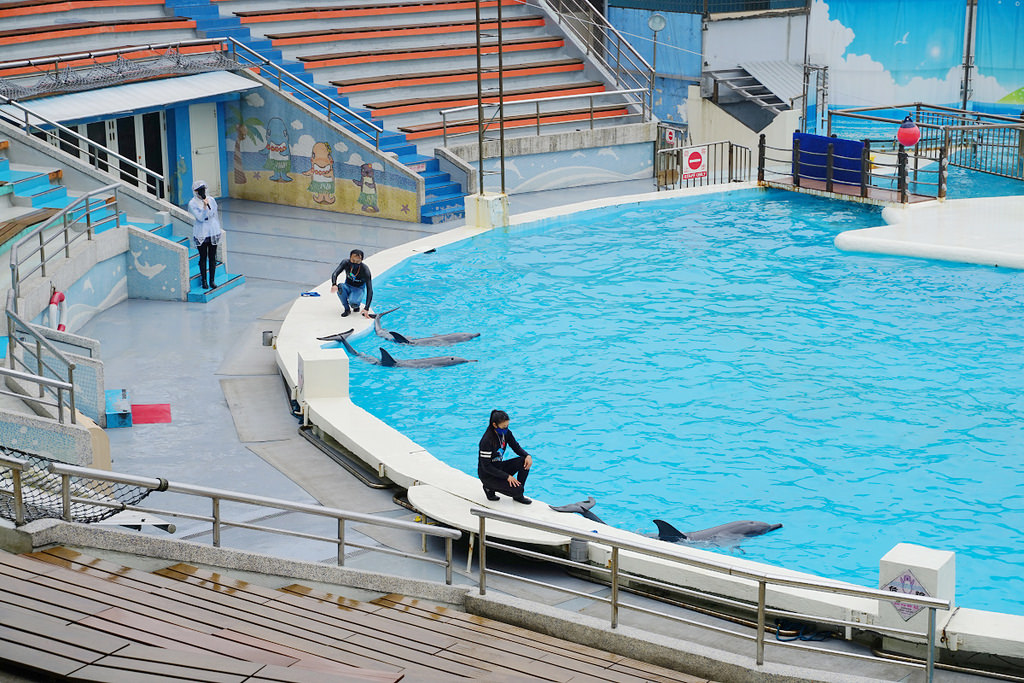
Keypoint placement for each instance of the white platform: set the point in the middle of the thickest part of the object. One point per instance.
(987, 231)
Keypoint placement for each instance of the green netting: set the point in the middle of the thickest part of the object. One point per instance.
(91, 501)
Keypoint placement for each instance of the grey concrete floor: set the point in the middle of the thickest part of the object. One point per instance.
(232, 428)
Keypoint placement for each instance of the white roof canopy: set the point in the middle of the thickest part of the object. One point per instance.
(124, 99)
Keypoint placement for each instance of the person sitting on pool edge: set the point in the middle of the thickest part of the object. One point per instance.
(357, 283)
(494, 471)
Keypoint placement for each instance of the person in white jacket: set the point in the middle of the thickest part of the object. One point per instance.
(206, 232)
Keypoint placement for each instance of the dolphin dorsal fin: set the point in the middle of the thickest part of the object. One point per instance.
(667, 532)
(386, 360)
(400, 338)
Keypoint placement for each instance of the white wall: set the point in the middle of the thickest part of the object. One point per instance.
(710, 123)
(729, 42)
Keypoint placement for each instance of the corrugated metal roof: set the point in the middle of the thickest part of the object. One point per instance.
(124, 99)
(784, 79)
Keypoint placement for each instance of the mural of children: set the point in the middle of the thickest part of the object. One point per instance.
(279, 151)
(322, 172)
(367, 189)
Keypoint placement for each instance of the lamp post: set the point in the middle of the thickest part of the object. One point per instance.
(656, 22)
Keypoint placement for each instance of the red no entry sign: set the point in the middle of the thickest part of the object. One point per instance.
(695, 162)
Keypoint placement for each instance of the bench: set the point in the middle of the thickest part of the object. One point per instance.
(446, 101)
(427, 130)
(455, 75)
(386, 9)
(86, 28)
(422, 28)
(423, 51)
(23, 8)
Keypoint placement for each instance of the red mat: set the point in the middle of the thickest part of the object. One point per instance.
(150, 413)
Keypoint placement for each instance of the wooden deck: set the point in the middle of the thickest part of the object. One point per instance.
(876, 195)
(73, 617)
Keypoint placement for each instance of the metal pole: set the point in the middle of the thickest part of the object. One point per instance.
(65, 496)
(479, 105)
(968, 53)
(760, 158)
(865, 168)
(19, 502)
(901, 173)
(341, 542)
(931, 644)
(216, 522)
(501, 102)
(760, 621)
(796, 162)
(447, 560)
(482, 581)
(615, 586)
(829, 161)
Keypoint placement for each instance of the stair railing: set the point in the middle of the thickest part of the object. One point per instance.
(41, 363)
(77, 220)
(333, 109)
(605, 44)
(97, 155)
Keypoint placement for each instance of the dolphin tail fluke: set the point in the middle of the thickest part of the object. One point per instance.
(381, 315)
(386, 359)
(338, 336)
(667, 532)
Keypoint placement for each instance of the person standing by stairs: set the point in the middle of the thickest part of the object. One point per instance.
(206, 232)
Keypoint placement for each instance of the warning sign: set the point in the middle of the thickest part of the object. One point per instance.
(906, 582)
(695, 162)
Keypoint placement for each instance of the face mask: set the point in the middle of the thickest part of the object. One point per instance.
(501, 432)
(201, 192)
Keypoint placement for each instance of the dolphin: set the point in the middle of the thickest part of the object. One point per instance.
(337, 337)
(435, 340)
(716, 534)
(582, 507)
(388, 361)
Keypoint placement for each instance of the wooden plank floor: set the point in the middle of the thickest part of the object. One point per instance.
(181, 620)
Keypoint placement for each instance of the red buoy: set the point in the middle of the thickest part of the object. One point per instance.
(908, 133)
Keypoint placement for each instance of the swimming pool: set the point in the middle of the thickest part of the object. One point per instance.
(715, 358)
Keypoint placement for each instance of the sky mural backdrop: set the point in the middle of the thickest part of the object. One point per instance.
(883, 52)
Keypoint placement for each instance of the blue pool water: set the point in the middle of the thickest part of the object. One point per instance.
(716, 358)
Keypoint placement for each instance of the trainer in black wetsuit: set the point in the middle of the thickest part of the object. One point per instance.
(358, 282)
(496, 473)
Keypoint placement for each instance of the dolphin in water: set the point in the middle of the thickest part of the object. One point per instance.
(733, 531)
(582, 507)
(434, 340)
(388, 361)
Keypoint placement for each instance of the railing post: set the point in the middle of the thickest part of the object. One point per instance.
(930, 670)
(216, 522)
(42, 248)
(341, 542)
(943, 161)
(865, 168)
(829, 160)
(65, 497)
(761, 148)
(901, 174)
(39, 364)
(482, 540)
(60, 405)
(71, 393)
(729, 177)
(760, 621)
(796, 161)
(447, 560)
(615, 586)
(19, 502)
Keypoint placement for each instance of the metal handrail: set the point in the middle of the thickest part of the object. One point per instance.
(69, 226)
(629, 67)
(726, 162)
(155, 182)
(312, 95)
(67, 382)
(216, 496)
(60, 386)
(536, 101)
(762, 579)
